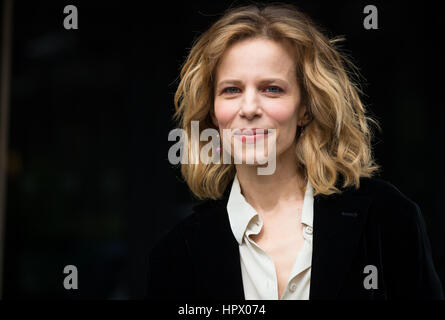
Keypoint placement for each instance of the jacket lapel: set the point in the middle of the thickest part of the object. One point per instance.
(338, 224)
(217, 254)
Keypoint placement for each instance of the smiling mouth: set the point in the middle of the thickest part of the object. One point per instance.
(251, 136)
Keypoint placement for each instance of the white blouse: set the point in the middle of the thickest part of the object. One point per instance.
(257, 267)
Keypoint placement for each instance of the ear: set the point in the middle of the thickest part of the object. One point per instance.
(303, 115)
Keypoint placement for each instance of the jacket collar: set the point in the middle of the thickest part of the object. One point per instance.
(337, 225)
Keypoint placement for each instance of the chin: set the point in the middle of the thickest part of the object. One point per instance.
(251, 159)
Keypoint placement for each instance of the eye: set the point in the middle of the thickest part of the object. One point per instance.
(231, 90)
(274, 89)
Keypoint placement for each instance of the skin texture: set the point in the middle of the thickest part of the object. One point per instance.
(247, 97)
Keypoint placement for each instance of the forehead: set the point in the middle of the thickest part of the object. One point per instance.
(257, 57)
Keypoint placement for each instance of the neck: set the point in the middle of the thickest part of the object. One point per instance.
(265, 193)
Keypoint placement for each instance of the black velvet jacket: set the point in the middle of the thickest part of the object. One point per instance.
(373, 225)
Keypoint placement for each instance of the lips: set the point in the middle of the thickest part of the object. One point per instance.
(250, 135)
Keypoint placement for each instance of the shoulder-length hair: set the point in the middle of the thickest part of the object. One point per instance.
(336, 142)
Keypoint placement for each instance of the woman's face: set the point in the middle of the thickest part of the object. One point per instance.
(256, 87)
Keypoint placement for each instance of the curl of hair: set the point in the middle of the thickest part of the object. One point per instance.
(336, 142)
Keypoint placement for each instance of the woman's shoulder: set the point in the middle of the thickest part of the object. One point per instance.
(390, 204)
(202, 216)
(384, 191)
(395, 222)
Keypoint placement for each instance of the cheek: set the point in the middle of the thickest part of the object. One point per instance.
(284, 114)
(224, 111)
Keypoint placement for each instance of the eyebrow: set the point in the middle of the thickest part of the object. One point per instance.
(238, 82)
(229, 81)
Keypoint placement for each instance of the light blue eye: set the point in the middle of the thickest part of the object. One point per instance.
(231, 90)
(274, 89)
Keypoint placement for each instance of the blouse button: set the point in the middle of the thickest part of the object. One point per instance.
(293, 287)
(309, 229)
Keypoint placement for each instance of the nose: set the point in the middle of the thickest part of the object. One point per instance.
(250, 104)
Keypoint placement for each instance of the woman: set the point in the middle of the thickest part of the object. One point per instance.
(320, 226)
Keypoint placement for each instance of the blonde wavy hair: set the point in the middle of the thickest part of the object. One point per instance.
(337, 140)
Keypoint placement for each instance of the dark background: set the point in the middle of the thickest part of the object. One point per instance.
(89, 183)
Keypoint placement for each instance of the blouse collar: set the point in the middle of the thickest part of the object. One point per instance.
(241, 212)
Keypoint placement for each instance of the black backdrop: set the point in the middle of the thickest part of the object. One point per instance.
(89, 183)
